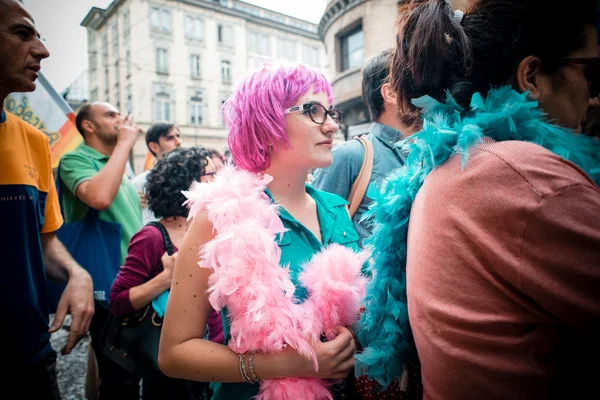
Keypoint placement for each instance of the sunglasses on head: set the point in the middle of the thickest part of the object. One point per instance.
(591, 71)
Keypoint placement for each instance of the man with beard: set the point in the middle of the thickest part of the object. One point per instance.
(93, 177)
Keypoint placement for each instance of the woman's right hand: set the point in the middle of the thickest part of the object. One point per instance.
(168, 262)
(335, 358)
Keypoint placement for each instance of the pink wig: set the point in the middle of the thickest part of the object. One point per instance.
(255, 114)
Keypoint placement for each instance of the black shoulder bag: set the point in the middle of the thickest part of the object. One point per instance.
(132, 341)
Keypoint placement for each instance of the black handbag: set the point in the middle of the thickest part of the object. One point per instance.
(132, 341)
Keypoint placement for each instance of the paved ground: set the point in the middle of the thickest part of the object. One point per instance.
(71, 369)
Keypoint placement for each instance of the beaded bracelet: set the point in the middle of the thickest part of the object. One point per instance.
(243, 368)
(254, 377)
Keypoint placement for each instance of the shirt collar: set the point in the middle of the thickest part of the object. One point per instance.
(328, 205)
(387, 135)
(93, 152)
(326, 219)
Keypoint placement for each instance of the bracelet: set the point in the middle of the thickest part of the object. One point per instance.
(254, 377)
(243, 368)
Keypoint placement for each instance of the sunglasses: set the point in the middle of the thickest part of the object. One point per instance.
(591, 71)
(317, 112)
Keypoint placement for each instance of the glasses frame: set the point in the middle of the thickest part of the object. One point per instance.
(332, 112)
(588, 63)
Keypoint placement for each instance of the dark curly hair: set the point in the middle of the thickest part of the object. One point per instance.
(175, 172)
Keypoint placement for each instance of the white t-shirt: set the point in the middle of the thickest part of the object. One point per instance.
(139, 182)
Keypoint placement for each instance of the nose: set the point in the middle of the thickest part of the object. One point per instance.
(178, 141)
(39, 50)
(329, 126)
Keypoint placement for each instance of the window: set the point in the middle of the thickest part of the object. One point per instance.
(352, 45)
(193, 28)
(195, 66)
(92, 60)
(118, 98)
(259, 42)
(126, 23)
(117, 77)
(105, 45)
(128, 63)
(162, 65)
(197, 107)
(155, 18)
(286, 49)
(225, 35)
(161, 103)
(91, 39)
(106, 80)
(310, 55)
(275, 17)
(162, 109)
(160, 19)
(226, 71)
(115, 35)
(129, 100)
(196, 110)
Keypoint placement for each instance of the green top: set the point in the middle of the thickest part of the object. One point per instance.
(81, 165)
(298, 245)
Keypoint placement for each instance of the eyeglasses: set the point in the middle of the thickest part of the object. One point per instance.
(317, 112)
(591, 71)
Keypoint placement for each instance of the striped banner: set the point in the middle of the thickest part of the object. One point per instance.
(45, 109)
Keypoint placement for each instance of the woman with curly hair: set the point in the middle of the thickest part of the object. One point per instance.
(148, 270)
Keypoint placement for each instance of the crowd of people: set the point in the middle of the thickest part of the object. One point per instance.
(478, 215)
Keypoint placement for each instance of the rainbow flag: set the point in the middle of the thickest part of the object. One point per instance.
(149, 162)
(45, 109)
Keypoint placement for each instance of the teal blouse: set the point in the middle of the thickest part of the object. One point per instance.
(298, 245)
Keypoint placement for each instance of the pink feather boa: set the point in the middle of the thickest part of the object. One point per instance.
(258, 292)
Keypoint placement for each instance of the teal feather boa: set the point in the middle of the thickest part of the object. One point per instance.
(448, 129)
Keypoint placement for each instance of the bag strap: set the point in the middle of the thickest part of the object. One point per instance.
(359, 187)
(92, 212)
(166, 238)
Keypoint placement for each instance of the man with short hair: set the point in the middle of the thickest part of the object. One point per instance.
(30, 217)
(388, 127)
(93, 176)
(161, 138)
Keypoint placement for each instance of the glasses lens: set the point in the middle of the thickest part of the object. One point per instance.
(335, 115)
(317, 113)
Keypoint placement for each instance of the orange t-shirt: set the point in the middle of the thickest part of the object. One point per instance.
(503, 276)
(28, 208)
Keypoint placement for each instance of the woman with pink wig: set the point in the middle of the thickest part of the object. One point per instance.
(281, 123)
